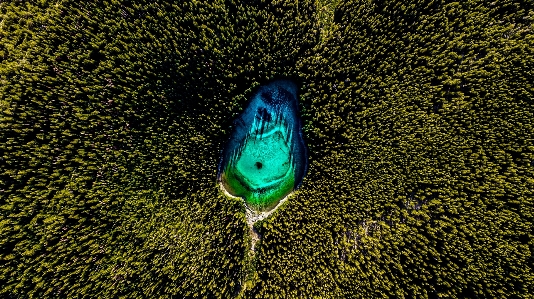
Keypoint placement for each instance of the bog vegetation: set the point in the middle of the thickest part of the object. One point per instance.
(418, 116)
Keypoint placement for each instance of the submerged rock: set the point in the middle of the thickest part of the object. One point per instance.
(265, 158)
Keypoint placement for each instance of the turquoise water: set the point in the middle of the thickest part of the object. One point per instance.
(265, 158)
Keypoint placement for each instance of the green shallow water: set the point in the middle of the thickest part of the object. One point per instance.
(265, 161)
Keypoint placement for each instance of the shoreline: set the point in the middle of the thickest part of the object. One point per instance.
(253, 216)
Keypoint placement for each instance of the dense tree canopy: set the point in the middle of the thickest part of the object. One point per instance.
(418, 116)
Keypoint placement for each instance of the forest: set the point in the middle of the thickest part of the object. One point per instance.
(417, 116)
